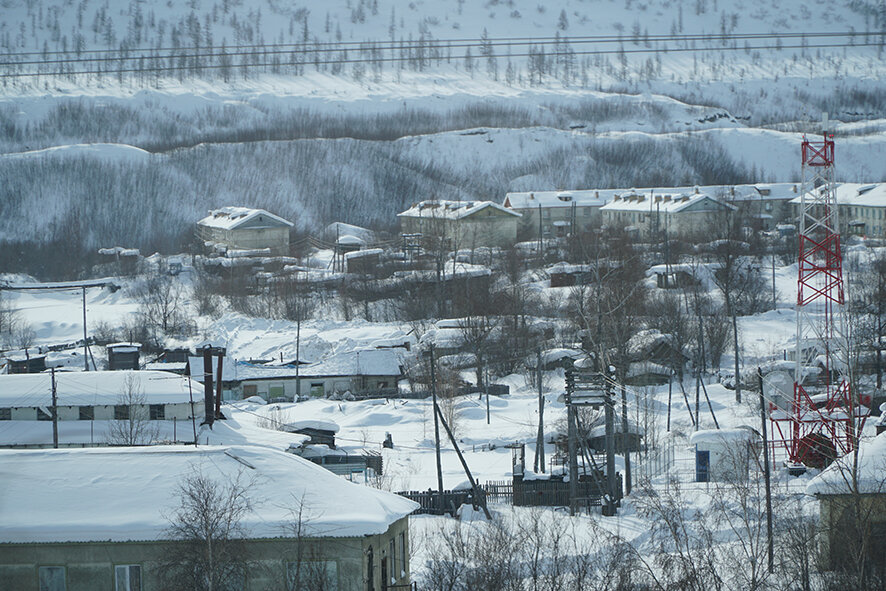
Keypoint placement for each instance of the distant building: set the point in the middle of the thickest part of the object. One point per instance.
(25, 362)
(861, 208)
(363, 371)
(560, 212)
(242, 228)
(123, 356)
(79, 519)
(762, 206)
(97, 396)
(852, 521)
(684, 215)
(462, 225)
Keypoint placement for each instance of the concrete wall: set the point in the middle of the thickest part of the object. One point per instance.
(487, 227)
(277, 239)
(90, 566)
(586, 217)
(105, 412)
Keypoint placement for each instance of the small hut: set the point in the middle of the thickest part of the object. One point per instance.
(123, 356)
(725, 454)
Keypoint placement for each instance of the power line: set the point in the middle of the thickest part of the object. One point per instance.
(403, 59)
(328, 46)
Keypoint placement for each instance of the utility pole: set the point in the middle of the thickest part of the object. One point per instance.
(540, 440)
(193, 417)
(208, 406)
(486, 370)
(436, 431)
(573, 457)
(766, 471)
(85, 345)
(609, 506)
(54, 410)
(624, 439)
(670, 391)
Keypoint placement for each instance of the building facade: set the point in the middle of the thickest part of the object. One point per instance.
(461, 225)
(556, 214)
(243, 228)
(110, 533)
(685, 215)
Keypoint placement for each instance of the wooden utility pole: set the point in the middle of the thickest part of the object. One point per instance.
(670, 391)
(766, 471)
(609, 506)
(624, 440)
(436, 431)
(208, 406)
(479, 497)
(573, 457)
(85, 345)
(539, 465)
(54, 410)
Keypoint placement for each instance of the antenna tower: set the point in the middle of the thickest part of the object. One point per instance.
(819, 423)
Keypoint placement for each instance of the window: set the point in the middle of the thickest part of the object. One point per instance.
(87, 413)
(51, 578)
(402, 554)
(5, 414)
(392, 552)
(308, 575)
(128, 577)
(121, 412)
(158, 412)
(317, 389)
(43, 415)
(249, 390)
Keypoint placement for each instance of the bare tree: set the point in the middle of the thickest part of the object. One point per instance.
(162, 305)
(478, 338)
(207, 552)
(132, 424)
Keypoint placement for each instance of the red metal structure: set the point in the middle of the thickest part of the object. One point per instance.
(821, 420)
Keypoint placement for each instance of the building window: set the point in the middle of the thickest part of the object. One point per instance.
(5, 414)
(392, 552)
(249, 390)
(128, 577)
(317, 389)
(158, 412)
(51, 578)
(121, 412)
(43, 415)
(402, 554)
(87, 413)
(309, 575)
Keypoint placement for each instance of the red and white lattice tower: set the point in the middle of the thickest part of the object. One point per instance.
(819, 423)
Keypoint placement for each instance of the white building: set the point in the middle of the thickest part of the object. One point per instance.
(462, 224)
(560, 212)
(861, 207)
(243, 228)
(83, 518)
(98, 396)
(685, 215)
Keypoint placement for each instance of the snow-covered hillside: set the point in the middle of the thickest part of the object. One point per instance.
(357, 136)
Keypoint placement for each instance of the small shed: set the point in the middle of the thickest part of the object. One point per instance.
(363, 262)
(320, 432)
(123, 356)
(725, 454)
(26, 363)
(632, 441)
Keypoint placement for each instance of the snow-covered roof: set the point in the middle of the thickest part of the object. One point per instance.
(358, 254)
(366, 362)
(763, 192)
(664, 202)
(453, 210)
(124, 347)
(723, 436)
(231, 217)
(316, 424)
(534, 199)
(122, 494)
(863, 195)
(92, 388)
(836, 479)
(643, 342)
